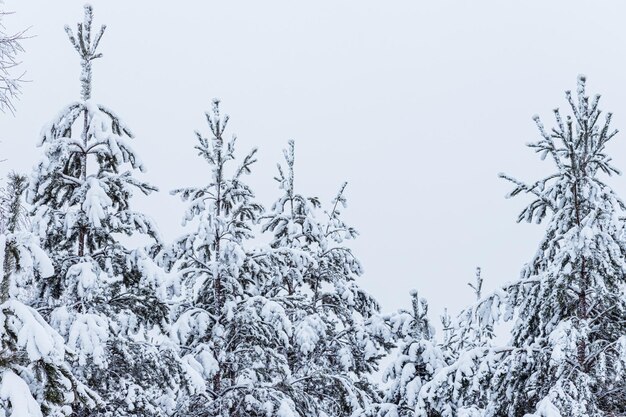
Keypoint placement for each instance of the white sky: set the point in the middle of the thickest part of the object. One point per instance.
(417, 104)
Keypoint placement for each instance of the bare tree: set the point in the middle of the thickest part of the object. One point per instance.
(10, 77)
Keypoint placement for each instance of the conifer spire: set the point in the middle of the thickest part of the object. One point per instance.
(86, 48)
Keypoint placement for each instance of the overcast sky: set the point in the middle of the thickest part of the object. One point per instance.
(418, 105)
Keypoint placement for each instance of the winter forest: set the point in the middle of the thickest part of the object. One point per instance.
(258, 309)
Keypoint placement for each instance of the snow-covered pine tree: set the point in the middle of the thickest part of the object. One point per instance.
(568, 347)
(35, 378)
(417, 359)
(338, 335)
(483, 330)
(104, 297)
(429, 378)
(468, 330)
(567, 354)
(232, 335)
(448, 331)
(460, 388)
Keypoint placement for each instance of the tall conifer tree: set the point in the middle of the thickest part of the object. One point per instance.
(104, 297)
(567, 353)
(338, 335)
(232, 334)
(569, 340)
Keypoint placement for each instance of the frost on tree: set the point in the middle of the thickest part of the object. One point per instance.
(568, 353)
(338, 336)
(460, 387)
(35, 378)
(104, 298)
(13, 214)
(417, 359)
(10, 79)
(428, 378)
(232, 333)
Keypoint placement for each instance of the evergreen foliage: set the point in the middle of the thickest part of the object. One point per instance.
(415, 363)
(106, 300)
(431, 378)
(231, 333)
(568, 342)
(259, 313)
(338, 336)
(35, 378)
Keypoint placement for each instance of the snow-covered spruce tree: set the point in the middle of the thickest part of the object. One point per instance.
(468, 330)
(232, 335)
(35, 379)
(471, 330)
(429, 378)
(460, 388)
(568, 355)
(417, 359)
(104, 298)
(338, 336)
